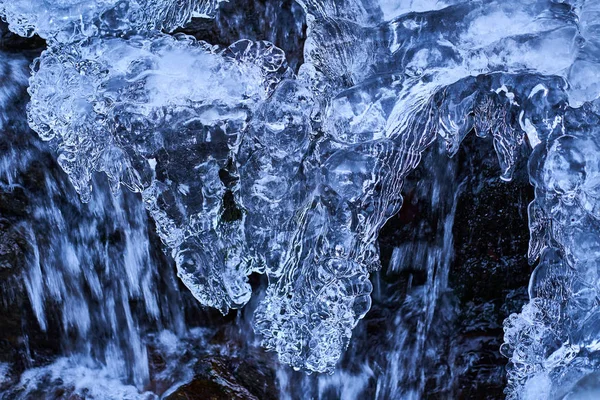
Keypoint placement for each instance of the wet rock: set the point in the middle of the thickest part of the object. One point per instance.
(12, 250)
(223, 378)
(490, 270)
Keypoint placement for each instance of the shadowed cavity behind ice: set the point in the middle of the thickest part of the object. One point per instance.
(247, 167)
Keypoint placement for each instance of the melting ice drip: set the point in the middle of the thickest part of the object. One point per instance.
(247, 167)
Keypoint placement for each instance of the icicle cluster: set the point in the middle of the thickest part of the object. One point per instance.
(246, 167)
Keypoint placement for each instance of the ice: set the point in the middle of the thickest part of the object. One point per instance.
(395, 86)
(162, 115)
(556, 334)
(246, 167)
(67, 21)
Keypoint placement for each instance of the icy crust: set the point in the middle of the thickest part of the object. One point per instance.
(163, 116)
(553, 342)
(383, 92)
(349, 185)
(70, 20)
(371, 12)
(438, 48)
(351, 40)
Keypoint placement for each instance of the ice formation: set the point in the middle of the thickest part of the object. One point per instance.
(163, 116)
(247, 167)
(67, 21)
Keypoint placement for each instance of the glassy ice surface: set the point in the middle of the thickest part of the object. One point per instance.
(162, 116)
(71, 20)
(247, 167)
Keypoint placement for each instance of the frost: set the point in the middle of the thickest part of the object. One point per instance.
(246, 167)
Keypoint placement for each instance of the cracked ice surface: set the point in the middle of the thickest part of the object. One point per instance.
(246, 167)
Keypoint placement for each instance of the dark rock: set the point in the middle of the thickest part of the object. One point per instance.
(490, 268)
(13, 246)
(280, 22)
(223, 378)
(486, 281)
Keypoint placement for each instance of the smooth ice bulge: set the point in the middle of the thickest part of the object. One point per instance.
(246, 167)
(554, 339)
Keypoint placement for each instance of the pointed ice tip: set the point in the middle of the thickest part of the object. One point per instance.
(507, 174)
(85, 196)
(506, 177)
(224, 310)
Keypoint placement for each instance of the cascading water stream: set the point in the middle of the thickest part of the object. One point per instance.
(91, 273)
(405, 377)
